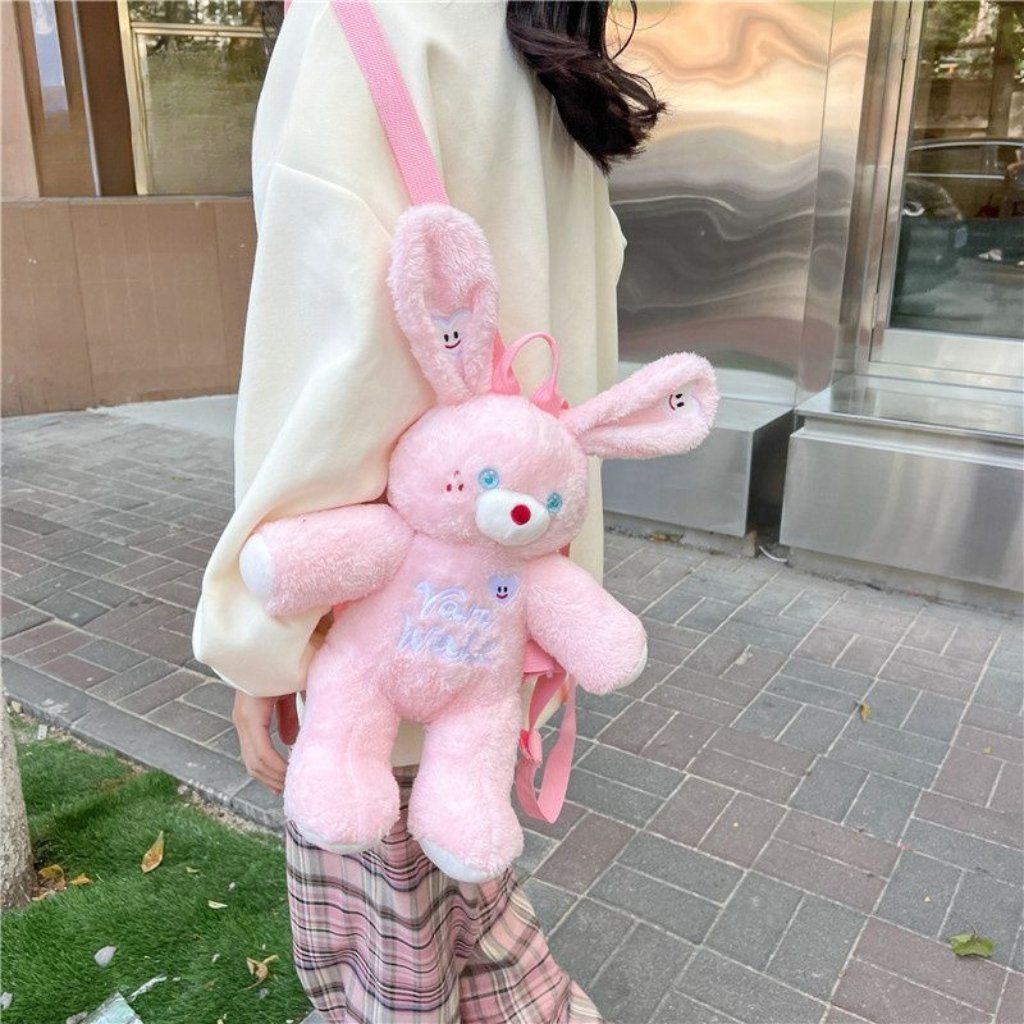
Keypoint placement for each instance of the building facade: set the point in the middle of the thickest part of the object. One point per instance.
(832, 211)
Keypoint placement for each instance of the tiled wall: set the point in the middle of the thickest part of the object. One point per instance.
(122, 300)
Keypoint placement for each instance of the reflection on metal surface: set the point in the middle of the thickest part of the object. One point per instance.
(960, 258)
(713, 487)
(1000, 359)
(719, 212)
(952, 262)
(934, 408)
(941, 505)
(52, 86)
(837, 175)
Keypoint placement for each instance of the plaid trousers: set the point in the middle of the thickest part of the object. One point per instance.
(383, 937)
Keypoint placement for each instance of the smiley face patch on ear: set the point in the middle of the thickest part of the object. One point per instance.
(678, 399)
(451, 330)
(503, 588)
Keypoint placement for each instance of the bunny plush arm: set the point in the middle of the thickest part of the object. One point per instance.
(597, 640)
(324, 558)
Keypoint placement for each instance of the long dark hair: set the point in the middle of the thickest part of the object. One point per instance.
(608, 111)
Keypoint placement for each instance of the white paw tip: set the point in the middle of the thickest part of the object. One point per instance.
(639, 667)
(451, 866)
(257, 566)
(311, 837)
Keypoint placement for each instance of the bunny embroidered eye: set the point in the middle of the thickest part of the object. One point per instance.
(451, 339)
(489, 479)
(678, 399)
(554, 502)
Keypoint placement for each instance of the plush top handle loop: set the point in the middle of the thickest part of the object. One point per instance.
(397, 112)
(504, 382)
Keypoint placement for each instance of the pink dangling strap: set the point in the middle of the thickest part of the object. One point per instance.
(552, 682)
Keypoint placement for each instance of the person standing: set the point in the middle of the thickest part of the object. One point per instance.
(525, 110)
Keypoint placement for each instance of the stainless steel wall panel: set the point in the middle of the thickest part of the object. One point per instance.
(837, 174)
(720, 212)
(709, 488)
(942, 505)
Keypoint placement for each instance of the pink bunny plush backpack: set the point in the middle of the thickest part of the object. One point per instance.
(439, 592)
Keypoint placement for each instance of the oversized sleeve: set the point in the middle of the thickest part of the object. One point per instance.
(327, 387)
(328, 383)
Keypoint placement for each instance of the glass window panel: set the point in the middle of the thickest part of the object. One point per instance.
(199, 95)
(195, 12)
(960, 259)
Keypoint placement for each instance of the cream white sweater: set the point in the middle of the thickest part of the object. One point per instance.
(327, 381)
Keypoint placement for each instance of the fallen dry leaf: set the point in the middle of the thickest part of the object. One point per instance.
(191, 871)
(81, 880)
(49, 881)
(986, 750)
(154, 855)
(865, 710)
(971, 944)
(214, 905)
(260, 969)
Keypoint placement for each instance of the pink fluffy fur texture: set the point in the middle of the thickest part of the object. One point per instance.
(445, 295)
(443, 587)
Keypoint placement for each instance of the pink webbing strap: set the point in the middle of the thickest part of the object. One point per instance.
(397, 113)
(504, 382)
(551, 682)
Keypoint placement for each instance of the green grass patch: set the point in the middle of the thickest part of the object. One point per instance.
(94, 815)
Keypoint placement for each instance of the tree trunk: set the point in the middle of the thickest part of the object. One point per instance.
(17, 876)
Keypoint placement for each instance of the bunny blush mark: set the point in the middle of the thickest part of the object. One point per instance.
(503, 588)
(449, 627)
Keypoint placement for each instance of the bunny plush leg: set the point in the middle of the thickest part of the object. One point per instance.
(460, 810)
(340, 791)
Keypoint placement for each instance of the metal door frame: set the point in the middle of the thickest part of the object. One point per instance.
(898, 352)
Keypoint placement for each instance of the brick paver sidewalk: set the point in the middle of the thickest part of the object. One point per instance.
(741, 843)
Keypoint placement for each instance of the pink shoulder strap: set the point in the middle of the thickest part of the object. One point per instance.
(397, 113)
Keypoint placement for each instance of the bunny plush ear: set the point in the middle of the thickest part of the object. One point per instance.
(665, 408)
(445, 294)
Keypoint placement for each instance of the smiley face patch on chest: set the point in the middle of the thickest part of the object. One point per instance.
(503, 588)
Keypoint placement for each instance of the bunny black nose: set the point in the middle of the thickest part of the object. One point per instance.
(520, 515)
